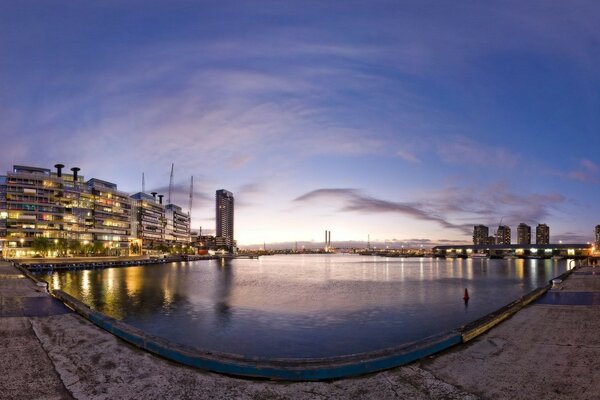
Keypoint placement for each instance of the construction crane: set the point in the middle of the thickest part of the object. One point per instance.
(191, 197)
(143, 183)
(170, 185)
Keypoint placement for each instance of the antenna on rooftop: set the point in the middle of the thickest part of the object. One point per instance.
(170, 184)
(191, 197)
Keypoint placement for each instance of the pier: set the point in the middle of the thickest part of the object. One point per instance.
(548, 349)
(74, 264)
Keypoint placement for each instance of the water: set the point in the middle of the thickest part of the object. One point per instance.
(305, 305)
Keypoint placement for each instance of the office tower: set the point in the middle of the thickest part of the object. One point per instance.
(523, 234)
(503, 235)
(224, 219)
(480, 234)
(542, 234)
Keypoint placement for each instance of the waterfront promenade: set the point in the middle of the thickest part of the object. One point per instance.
(550, 349)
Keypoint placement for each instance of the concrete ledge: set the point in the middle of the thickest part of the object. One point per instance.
(314, 369)
(484, 324)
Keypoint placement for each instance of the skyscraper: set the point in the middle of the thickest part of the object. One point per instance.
(597, 235)
(503, 235)
(542, 234)
(224, 219)
(480, 234)
(523, 234)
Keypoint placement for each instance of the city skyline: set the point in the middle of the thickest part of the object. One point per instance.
(408, 122)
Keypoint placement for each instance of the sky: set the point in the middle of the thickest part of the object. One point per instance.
(404, 121)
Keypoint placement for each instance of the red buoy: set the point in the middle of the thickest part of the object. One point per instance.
(466, 296)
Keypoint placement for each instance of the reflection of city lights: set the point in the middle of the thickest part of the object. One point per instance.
(55, 282)
(85, 283)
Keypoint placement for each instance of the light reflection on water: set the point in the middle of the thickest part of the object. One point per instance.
(305, 305)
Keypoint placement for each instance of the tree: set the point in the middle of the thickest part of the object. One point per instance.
(62, 245)
(98, 248)
(135, 248)
(74, 246)
(41, 245)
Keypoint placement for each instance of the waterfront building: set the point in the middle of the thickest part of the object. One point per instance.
(205, 242)
(177, 230)
(480, 234)
(61, 208)
(503, 235)
(149, 222)
(523, 234)
(111, 216)
(3, 214)
(224, 220)
(542, 234)
(597, 236)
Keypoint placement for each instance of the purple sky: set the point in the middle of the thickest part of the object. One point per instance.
(403, 120)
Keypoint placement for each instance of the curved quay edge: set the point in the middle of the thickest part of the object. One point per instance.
(313, 369)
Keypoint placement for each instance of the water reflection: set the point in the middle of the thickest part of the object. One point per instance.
(222, 292)
(305, 306)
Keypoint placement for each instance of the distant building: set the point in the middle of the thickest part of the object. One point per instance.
(491, 240)
(205, 242)
(503, 235)
(224, 219)
(598, 236)
(480, 234)
(523, 234)
(542, 234)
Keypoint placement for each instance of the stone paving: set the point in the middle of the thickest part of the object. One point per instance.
(545, 351)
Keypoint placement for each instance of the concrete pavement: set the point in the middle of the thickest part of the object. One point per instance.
(548, 350)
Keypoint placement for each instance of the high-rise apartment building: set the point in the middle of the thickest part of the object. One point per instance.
(111, 215)
(597, 236)
(224, 219)
(503, 235)
(177, 230)
(149, 222)
(542, 234)
(523, 234)
(480, 234)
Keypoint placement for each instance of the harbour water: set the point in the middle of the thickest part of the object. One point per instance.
(305, 306)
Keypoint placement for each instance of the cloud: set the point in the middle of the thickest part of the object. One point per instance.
(587, 172)
(352, 200)
(462, 150)
(407, 156)
(489, 204)
(456, 208)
